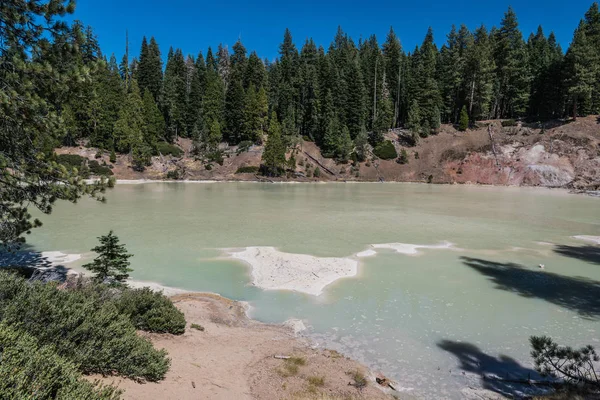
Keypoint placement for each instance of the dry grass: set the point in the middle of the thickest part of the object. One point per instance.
(197, 327)
(316, 380)
(291, 366)
(360, 381)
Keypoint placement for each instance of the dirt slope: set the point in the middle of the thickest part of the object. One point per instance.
(562, 155)
(233, 358)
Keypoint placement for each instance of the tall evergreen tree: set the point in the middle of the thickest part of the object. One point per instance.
(273, 158)
(581, 67)
(512, 69)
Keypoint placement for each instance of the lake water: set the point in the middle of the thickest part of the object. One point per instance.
(433, 321)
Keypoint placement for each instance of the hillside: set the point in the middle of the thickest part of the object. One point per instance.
(567, 155)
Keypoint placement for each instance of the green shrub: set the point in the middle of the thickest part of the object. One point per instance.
(82, 327)
(71, 160)
(317, 172)
(113, 157)
(403, 159)
(208, 167)
(197, 327)
(244, 146)
(416, 155)
(165, 149)
(173, 175)
(251, 169)
(31, 371)
(463, 122)
(509, 122)
(98, 154)
(385, 150)
(430, 179)
(150, 311)
(99, 170)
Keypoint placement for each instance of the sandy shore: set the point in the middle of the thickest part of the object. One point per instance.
(411, 249)
(587, 238)
(276, 270)
(234, 358)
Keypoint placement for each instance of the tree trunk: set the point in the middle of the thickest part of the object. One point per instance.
(471, 100)
(375, 93)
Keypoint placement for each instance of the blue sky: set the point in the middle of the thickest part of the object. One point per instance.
(194, 25)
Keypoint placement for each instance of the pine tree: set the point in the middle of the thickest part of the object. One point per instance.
(155, 123)
(150, 68)
(130, 127)
(361, 145)
(234, 111)
(392, 53)
(414, 120)
(479, 75)
(174, 95)
(112, 263)
(273, 158)
(463, 123)
(512, 70)
(255, 73)
(581, 66)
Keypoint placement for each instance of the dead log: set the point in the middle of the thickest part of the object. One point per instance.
(282, 357)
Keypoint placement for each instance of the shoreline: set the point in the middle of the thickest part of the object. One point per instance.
(590, 193)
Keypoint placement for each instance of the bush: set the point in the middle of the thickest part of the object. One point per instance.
(113, 157)
(463, 122)
(416, 155)
(509, 122)
(385, 150)
(317, 173)
(82, 326)
(98, 154)
(31, 371)
(71, 160)
(173, 175)
(165, 149)
(99, 170)
(243, 147)
(197, 327)
(403, 159)
(251, 169)
(150, 311)
(208, 167)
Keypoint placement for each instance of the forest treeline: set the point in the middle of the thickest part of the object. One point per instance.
(342, 97)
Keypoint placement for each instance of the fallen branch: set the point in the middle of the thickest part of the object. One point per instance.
(282, 357)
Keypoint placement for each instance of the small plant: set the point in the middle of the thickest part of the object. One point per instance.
(208, 167)
(197, 327)
(463, 122)
(316, 380)
(243, 147)
(250, 169)
(291, 366)
(416, 155)
(173, 175)
(317, 172)
(98, 154)
(430, 179)
(403, 159)
(509, 122)
(113, 157)
(359, 380)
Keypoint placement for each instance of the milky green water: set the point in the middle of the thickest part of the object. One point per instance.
(421, 319)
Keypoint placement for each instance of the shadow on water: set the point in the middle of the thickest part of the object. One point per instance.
(578, 294)
(32, 265)
(589, 254)
(494, 372)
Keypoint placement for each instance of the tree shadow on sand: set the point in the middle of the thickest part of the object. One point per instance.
(578, 294)
(33, 266)
(590, 254)
(495, 373)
